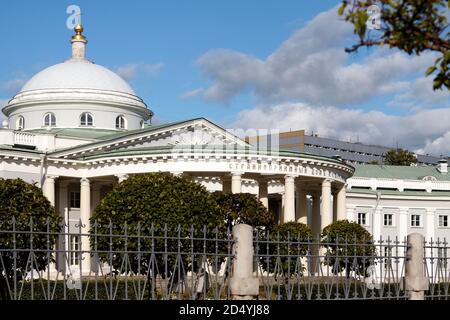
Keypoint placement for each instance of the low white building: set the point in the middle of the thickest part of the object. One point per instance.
(394, 201)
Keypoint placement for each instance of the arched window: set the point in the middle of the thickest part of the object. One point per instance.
(49, 120)
(121, 122)
(141, 123)
(86, 119)
(20, 123)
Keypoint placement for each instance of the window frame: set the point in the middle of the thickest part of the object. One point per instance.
(85, 122)
(391, 215)
(445, 216)
(419, 225)
(20, 123)
(51, 119)
(362, 217)
(120, 119)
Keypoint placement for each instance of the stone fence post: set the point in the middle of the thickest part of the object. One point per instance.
(243, 285)
(416, 283)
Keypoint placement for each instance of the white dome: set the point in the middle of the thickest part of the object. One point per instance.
(77, 74)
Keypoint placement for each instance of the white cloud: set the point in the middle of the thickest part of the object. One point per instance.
(420, 94)
(311, 66)
(192, 94)
(439, 146)
(426, 130)
(131, 71)
(13, 86)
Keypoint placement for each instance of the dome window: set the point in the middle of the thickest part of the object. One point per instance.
(49, 120)
(86, 119)
(121, 122)
(20, 123)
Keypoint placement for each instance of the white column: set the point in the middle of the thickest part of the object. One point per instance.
(402, 224)
(430, 223)
(85, 213)
(326, 213)
(341, 204)
(236, 182)
(263, 192)
(301, 205)
(49, 189)
(316, 219)
(289, 199)
(122, 177)
(377, 220)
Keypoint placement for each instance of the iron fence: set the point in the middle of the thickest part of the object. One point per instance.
(339, 268)
(119, 262)
(110, 262)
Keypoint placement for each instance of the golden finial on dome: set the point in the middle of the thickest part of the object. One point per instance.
(79, 30)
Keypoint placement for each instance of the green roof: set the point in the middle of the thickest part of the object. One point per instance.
(402, 193)
(83, 133)
(399, 172)
(204, 148)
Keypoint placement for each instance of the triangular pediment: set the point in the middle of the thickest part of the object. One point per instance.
(196, 132)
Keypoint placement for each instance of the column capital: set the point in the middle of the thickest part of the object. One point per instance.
(236, 173)
(51, 177)
(85, 181)
(327, 181)
(290, 177)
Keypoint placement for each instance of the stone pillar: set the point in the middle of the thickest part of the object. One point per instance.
(243, 284)
(85, 213)
(301, 206)
(341, 204)
(289, 199)
(48, 188)
(236, 182)
(226, 184)
(316, 218)
(326, 213)
(122, 177)
(263, 192)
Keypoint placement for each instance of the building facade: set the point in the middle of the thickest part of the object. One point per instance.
(352, 152)
(77, 129)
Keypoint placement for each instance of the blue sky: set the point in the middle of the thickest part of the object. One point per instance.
(260, 64)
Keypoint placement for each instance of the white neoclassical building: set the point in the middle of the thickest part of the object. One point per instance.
(394, 201)
(77, 129)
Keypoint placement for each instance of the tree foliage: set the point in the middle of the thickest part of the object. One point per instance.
(24, 208)
(157, 206)
(287, 244)
(413, 26)
(348, 247)
(399, 157)
(244, 208)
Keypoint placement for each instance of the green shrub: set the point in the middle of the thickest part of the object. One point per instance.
(348, 247)
(24, 208)
(244, 208)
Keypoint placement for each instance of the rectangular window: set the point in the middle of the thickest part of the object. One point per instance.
(388, 219)
(415, 220)
(443, 221)
(74, 254)
(74, 199)
(362, 218)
